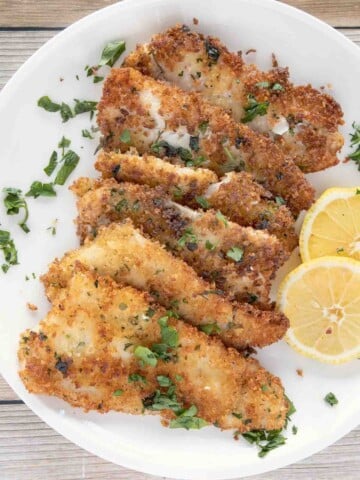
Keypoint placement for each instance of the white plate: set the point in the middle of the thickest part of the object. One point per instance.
(316, 54)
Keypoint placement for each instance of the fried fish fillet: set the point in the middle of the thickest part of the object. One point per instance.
(236, 195)
(138, 111)
(123, 253)
(301, 120)
(240, 260)
(93, 350)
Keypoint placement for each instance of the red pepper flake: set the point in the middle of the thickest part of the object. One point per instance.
(328, 331)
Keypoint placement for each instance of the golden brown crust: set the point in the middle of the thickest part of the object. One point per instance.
(237, 195)
(123, 253)
(180, 56)
(83, 352)
(151, 112)
(201, 239)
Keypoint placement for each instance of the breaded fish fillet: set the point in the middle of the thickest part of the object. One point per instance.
(236, 195)
(95, 349)
(301, 120)
(240, 260)
(123, 253)
(138, 111)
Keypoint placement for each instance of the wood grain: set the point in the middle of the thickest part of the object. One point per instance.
(60, 13)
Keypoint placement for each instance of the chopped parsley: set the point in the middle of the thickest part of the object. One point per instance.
(202, 202)
(71, 159)
(355, 140)
(118, 392)
(222, 219)
(194, 144)
(164, 381)
(276, 87)
(39, 189)
(331, 399)
(86, 134)
(47, 104)
(14, 202)
(209, 245)
(125, 136)
(266, 440)
(203, 126)
(161, 147)
(187, 237)
(9, 250)
(83, 106)
(235, 253)
(63, 144)
(50, 167)
(136, 377)
(280, 201)
(210, 328)
(254, 108)
(294, 429)
(112, 52)
(188, 420)
(145, 355)
(98, 79)
(169, 335)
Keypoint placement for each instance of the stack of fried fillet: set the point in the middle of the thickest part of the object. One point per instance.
(181, 238)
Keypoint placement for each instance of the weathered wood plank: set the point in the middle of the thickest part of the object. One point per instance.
(17, 46)
(31, 450)
(60, 13)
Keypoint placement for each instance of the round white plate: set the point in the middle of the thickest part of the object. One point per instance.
(316, 54)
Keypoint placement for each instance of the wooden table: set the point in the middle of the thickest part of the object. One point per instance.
(29, 449)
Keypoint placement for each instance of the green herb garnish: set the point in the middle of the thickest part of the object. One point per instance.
(203, 126)
(280, 201)
(145, 355)
(14, 202)
(164, 381)
(253, 109)
(222, 219)
(49, 169)
(202, 202)
(47, 104)
(63, 144)
(209, 245)
(125, 136)
(210, 328)
(355, 140)
(118, 392)
(39, 189)
(235, 253)
(331, 399)
(83, 106)
(188, 420)
(187, 237)
(112, 52)
(71, 159)
(86, 134)
(265, 440)
(136, 377)
(9, 250)
(98, 79)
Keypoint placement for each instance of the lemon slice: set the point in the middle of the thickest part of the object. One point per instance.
(321, 299)
(332, 225)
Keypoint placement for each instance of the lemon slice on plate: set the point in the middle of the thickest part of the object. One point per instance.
(321, 299)
(332, 225)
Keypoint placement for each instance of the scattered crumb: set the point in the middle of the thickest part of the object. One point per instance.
(61, 79)
(239, 53)
(329, 86)
(251, 50)
(31, 306)
(300, 372)
(195, 21)
(274, 61)
(328, 331)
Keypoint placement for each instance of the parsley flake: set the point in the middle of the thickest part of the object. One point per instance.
(8, 248)
(39, 189)
(112, 52)
(145, 355)
(331, 399)
(235, 253)
(71, 159)
(50, 167)
(14, 202)
(253, 109)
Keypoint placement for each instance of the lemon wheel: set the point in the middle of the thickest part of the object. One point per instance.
(321, 298)
(332, 225)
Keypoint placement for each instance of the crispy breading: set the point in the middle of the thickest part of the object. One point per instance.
(123, 253)
(301, 120)
(83, 351)
(162, 118)
(240, 260)
(237, 195)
